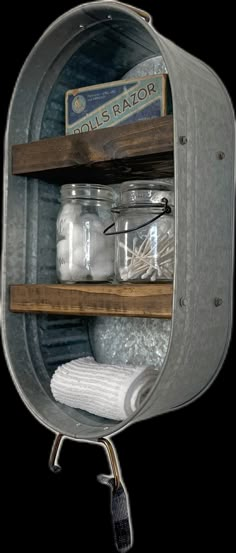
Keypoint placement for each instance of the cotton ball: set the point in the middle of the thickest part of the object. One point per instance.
(80, 259)
(78, 252)
(102, 269)
(97, 244)
(92, 222)
(62, 252)
(64, 273)
(86, 244)
(78, 255)
(63, 268)
(77, 213)
(67, 218)
(65, 252)
(104, 247)
(104, 256)
(93, 237)
(71, 210)
(76, 236)
(79, 272)
(102, 264)
(97, 226)
(63, 261)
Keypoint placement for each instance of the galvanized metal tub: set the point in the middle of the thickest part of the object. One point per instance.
(76, 51)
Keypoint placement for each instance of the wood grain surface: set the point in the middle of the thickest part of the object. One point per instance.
(107, 155)
(137, 300)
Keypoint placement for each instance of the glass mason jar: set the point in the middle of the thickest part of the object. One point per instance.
(84, 253)
(144, 248)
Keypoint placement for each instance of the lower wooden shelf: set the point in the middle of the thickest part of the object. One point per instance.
(130, 300)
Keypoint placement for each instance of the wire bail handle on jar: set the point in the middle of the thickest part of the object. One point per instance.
(166, 210)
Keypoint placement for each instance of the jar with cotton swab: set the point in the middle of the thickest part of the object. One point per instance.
(144, 232)
(84, 253)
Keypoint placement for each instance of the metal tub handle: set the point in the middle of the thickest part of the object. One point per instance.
(141, 13)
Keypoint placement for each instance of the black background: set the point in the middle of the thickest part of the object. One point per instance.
(178, 468)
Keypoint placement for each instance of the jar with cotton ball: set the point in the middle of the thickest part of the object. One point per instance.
(84, 253)
(144, 231)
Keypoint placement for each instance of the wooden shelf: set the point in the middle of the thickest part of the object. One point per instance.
(114, 155)
(131, 300)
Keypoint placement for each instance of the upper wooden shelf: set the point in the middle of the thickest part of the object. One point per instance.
(106, 156)
(130, 300)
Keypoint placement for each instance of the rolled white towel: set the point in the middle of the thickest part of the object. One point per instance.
(109, 391)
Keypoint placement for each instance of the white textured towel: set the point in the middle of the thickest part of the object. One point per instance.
(109, 391)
